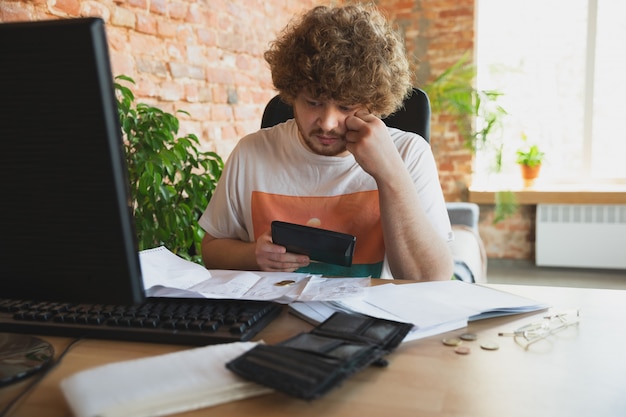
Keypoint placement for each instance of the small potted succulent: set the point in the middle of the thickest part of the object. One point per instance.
(529, 158)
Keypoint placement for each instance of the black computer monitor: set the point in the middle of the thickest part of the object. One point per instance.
(66, 226)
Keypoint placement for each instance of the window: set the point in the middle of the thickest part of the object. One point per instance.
(560, 65)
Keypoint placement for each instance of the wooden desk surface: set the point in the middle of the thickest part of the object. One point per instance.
(578, 372)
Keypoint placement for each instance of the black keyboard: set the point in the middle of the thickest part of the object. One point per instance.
(183, 321)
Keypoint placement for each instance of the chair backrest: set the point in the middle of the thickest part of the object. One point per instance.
(413, 116)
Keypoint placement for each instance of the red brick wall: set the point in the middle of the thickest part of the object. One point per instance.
(206, 58)
(437, 34)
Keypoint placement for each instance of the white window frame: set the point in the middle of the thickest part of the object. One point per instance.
(483, 175)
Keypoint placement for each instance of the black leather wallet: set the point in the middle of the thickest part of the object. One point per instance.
(319, 244)
(310, 364)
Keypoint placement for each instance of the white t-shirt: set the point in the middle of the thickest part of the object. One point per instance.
(271, 175)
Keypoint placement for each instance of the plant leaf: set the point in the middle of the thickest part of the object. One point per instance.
(171, 179)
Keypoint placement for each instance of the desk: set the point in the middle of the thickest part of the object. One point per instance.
(580, 372)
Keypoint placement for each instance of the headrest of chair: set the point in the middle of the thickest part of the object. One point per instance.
(413, 116)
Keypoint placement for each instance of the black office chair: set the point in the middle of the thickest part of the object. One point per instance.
(414, 116)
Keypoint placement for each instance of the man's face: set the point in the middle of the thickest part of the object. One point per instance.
(322, 124)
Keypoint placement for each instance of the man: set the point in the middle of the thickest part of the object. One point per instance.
(336, 165)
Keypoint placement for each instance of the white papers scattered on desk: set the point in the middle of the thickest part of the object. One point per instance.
(168, 275)
(433, 307)
(160, 267)
(160, 385)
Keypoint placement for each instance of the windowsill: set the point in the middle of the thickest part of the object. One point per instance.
(554, 194)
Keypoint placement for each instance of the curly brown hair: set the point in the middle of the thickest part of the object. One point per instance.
(348, 54)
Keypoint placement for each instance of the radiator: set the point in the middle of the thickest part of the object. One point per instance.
(581, 236)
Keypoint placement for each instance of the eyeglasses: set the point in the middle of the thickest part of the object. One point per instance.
(551, 324)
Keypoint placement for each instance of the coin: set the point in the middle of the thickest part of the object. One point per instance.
(462, 350)
(468, 336)
(452, 341)
(490, 346)
(285, 282)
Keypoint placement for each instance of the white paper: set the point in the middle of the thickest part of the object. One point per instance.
(160, 385)
(422, 304)
(273, 286)
(159, 266)
(168, 275)
(326, 289)
(432, 307)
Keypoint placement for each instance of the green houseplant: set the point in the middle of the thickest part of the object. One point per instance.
(171, 179)
(478, 117)
(453, 93)
(529, 158)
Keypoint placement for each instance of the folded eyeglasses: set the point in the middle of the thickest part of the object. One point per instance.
(552, 323)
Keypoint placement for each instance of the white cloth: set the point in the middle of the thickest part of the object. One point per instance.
(271, 175)
(160, 385)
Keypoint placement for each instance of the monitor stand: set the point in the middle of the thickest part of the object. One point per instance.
(22, 356)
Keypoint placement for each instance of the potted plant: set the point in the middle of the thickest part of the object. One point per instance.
(478, 116)
(453, 92)
(171, 179)
(529, 158)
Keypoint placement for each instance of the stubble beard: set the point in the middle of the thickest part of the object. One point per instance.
(314, 145)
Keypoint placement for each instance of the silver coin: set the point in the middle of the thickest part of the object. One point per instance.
(468, 336)
(490, 346)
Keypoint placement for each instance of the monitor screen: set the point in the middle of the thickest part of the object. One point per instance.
(66, 226)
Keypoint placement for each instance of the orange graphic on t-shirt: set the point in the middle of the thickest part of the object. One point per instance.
(357, 214)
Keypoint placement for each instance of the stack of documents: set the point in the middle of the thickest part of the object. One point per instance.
(433, 307)
(168, 275)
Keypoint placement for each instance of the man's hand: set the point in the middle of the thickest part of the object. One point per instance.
(367, 138)
(275, 258)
